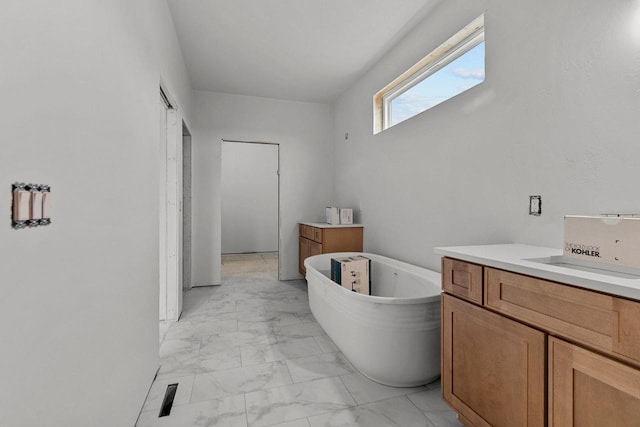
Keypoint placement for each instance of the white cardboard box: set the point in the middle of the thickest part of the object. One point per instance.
(346, 216)
(333, 215)
(606, 239)
(353, 274)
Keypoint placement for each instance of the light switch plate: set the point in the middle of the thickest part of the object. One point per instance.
(31, 202)
(535, 205)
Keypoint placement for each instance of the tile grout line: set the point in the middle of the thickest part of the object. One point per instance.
(419, 410)
(290, 421)
(288, 370)
(246, 409)
(193, 384)
(348, 391)
(383, 399)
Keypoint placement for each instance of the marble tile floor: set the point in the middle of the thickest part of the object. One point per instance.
(259, 265)
(249, 353)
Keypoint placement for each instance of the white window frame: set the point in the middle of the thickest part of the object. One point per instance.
(462, 42)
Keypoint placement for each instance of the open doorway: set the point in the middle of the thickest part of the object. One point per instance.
(250, 209)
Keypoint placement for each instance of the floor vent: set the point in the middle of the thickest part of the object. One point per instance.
(167, 402)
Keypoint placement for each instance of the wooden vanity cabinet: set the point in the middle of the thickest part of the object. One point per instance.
(532, 352)
(322, 239)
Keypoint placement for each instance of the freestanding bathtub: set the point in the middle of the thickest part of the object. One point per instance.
(391, 336)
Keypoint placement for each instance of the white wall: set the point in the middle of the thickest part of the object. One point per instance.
(79, 309)
(558, 115)
(303, 131)
(249, 198)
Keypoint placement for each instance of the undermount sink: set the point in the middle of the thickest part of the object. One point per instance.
(621, 272)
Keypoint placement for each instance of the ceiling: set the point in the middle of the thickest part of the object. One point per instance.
(302, 50)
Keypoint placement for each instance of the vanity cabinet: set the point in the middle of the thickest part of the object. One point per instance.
(316, 238)
(519, 350)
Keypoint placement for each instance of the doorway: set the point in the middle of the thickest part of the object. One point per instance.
(250, 209)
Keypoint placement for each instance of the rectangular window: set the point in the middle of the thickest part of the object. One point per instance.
(454, 67)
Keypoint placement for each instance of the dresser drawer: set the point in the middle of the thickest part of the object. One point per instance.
(601, 321)
(462, 279)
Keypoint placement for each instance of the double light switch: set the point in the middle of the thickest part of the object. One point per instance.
(31, 205)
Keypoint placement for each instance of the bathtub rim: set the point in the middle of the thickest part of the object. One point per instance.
(429, 275)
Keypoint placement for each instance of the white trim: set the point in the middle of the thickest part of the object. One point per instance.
(277, 144)
(173, 185)
(170, 211)
(457, 45)
(166, 96)
(430, 69)
(162, 208)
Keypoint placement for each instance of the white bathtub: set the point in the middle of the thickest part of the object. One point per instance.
(392, 336)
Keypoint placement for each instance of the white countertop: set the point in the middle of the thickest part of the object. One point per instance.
(519, 259)
(325, 225)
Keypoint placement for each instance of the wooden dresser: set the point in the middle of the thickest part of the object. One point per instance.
(318, 238)
(518, 350)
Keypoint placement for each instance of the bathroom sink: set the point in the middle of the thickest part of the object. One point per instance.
(621, 272)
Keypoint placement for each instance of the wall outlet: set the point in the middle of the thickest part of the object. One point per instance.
(535, 205)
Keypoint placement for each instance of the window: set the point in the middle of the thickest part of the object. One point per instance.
(454, 67)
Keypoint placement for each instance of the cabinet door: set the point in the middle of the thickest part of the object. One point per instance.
(315, 248)
(303, 253)
(587, 389)
(493, 368)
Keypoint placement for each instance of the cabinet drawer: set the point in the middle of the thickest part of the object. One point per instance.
(600, 321)
(317, 234)
(306, 231)
(462, 279)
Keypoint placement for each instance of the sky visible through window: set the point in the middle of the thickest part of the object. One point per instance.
(462, 74)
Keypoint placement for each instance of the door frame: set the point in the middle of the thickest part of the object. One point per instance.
(171, 220)
(277, 144)
(187, 209)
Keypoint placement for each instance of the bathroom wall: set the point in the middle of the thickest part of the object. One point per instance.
(249, 198)
(558, 115)
(303, 131)
(79, 304)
